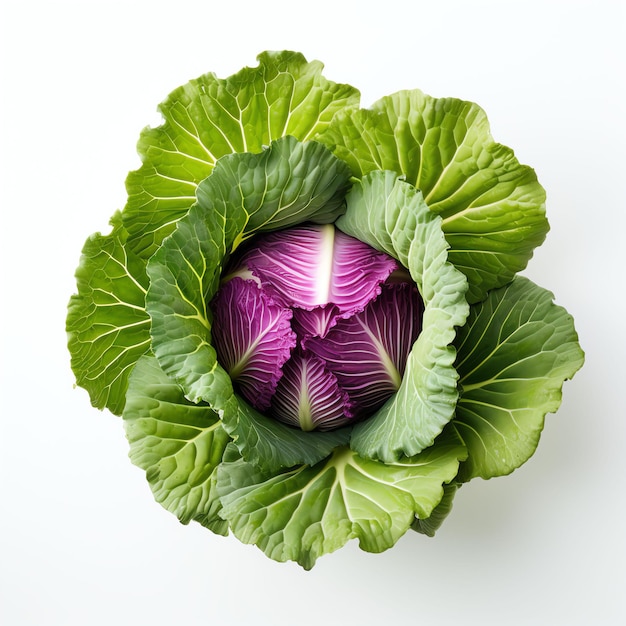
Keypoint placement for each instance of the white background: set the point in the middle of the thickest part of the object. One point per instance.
(82, 541)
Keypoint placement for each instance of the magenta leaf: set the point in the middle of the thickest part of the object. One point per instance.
(308, 395)
(313, 266)
(253, 338)
(368, 351)
(315, 322)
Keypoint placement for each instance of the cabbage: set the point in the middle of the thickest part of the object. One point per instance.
(310, 315)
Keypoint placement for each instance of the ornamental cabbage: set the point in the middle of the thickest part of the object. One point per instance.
(310, 315)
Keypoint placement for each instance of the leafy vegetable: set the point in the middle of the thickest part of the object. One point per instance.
(309, 314)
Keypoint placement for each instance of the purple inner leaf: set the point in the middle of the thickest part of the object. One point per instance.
(253, 338)
(309, 396)
(368, 351)
(313, 266)
(315, 322)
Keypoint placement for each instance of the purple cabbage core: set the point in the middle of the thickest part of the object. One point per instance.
(314, 327)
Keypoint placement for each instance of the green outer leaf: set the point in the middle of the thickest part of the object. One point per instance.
(391, 216)
(107, 325)
(306, 512)
(203, 120)
(514, 354)
(270, 444)
(430, 525)
(288, 183)
(178, 443)
(210, 117)
(493, 208)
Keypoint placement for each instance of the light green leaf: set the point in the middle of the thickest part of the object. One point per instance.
(492, 207)
(288, 183)
(107, 325)
(210, 117)
(430, 525)
(203, 120)
(514, 354)
(306, 512)
(179, 444)
(391, 216)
